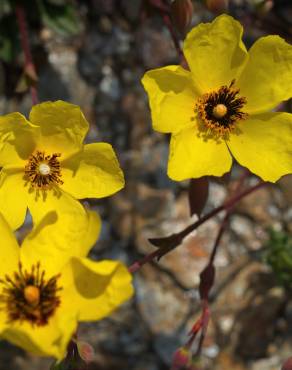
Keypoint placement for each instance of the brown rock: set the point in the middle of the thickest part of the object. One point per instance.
(161, 303)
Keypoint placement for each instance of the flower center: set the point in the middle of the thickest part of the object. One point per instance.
(28, 296)
(220, 110)
(43, 171)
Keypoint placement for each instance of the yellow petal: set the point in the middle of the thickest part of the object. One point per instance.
(62, 127)
(265, 145)
(267, 78)
(41, 203)
(171, 97)
(92, 173)
(192, 156)
(215, 52)
(58, 237)
(9, 249)
(95, 289)
(3, 321)
(49, 340)
(17, 140)
(9, 260)
(13, 197)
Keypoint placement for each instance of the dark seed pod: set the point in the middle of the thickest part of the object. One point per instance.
(181, 13)
(217, 6)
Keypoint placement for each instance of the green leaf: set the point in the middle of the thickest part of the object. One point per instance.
(57, 366)
(62, 19)
(64, 365)
(279, 256)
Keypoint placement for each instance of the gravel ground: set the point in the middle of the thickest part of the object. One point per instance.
(251, 323)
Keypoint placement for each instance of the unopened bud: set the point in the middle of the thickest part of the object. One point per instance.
(207, 277)
(217, 6)
(182, 13)
(85, 350)
(181, 359)
(287, 364)
(265, 7)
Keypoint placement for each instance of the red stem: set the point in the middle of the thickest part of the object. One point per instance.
(181, 235)
(167, 21)
(225, 221)
(205, 316)
(24, 39)
(228, 204)
(221, 231)
(205, 323)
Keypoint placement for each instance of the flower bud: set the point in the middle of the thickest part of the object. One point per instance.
(85, 350)
(182, 13)
(217, 6)
(181, 359)
(265, 7)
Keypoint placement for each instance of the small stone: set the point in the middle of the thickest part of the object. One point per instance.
(161, 303)
(226, 323)
(154, 44)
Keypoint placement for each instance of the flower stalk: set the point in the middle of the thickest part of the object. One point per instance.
(207, 276)
(164, 9)
(168, 23)
(29, 66)
(169, 243)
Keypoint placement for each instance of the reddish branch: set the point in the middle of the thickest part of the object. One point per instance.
(207, 276)
(167, 21)
(163, 9)
(169, 243)
(24, 39)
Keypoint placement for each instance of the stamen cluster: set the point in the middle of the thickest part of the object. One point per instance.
(43, 171)
(220, 110)
(28, 296)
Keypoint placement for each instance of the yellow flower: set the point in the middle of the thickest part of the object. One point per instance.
(48, 284)
(46, 165)
(221, 107)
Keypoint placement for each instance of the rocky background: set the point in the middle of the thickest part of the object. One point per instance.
(100, 69)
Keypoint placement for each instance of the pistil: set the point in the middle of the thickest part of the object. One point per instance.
(29, 296)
